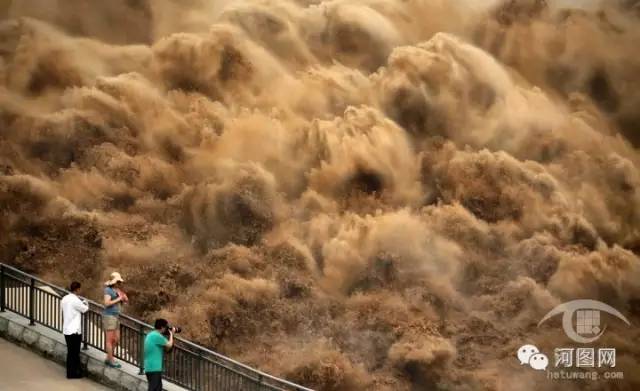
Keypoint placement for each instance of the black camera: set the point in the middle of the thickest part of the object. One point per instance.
(175, 329)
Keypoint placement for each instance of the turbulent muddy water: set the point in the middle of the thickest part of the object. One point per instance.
(354, 195)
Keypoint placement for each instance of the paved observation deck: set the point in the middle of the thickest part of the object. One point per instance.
(21, 369)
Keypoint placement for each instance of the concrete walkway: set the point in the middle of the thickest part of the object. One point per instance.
(21, 369)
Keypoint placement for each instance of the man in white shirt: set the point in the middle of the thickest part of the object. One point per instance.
(72, 310)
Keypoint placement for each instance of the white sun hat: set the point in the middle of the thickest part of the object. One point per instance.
(115, 277)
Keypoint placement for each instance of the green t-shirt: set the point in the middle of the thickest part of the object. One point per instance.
(154, 344)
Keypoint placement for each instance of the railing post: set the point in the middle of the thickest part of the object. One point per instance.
(141, 349)
(32, 302)
(199, 364)
(1, 288)
(85, 330)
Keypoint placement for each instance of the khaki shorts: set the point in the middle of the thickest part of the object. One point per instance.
(110, 322)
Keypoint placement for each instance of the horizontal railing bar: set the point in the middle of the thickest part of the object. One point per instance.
(14, 278)
(246, 376)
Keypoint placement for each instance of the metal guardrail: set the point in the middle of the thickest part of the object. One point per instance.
(188, 365)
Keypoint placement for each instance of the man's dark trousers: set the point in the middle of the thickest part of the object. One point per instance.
(74, 368)
(155, 381)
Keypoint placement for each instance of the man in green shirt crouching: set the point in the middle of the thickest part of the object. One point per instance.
(155, 345)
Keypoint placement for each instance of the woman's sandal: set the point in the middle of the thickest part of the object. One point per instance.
(112, 364)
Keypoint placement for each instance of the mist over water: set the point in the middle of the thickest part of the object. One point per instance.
(354, 195)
